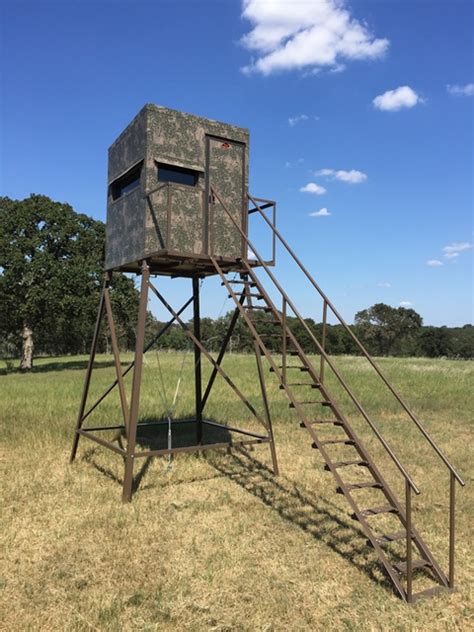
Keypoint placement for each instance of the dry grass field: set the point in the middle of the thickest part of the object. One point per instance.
(218, 542)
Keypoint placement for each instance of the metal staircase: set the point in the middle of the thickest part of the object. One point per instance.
(330, 431)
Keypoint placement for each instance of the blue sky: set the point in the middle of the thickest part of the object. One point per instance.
(304, 77)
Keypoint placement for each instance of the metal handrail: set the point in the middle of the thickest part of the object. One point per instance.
(341, 380)
(412, 416)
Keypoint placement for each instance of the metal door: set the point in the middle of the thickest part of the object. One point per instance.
(225, 173)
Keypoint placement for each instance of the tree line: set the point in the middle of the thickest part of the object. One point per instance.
(51, 273)
(381, 339)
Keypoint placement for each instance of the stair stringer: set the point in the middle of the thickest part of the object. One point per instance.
(358, 444)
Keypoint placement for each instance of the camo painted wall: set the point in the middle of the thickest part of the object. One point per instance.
(160, 135)
(125, 216)
(226, 163)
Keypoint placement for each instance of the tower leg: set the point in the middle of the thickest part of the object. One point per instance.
(197, 360)
(87, 380)
(263, 388)
(136, 383)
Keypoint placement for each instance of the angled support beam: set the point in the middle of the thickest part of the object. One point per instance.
(222, 352)
(206, 353)
(137, 376)
(132, 364)
(116, 353)
(87, 380)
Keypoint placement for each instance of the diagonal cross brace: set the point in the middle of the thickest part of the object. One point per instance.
(203, 349)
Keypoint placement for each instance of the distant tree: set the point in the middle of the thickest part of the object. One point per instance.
(51, 261)
(462, 341)
(383, 328)
(434, 342)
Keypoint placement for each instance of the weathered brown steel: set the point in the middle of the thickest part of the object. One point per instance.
(206, 353)
(452, 527)
(409, 543)
(102, 442)
(283, 338)
(197, 360)
(199, 448)
(263, 387)
(90, 365)
(116, 354)
(222, 352)
(323, 341)
(136, 385)
(132, 364)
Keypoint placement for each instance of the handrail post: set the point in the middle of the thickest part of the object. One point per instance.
(452, 525)
(409, 542)
(283, 347)
(323, 341)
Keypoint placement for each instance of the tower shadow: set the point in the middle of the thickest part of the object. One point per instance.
(319, 517)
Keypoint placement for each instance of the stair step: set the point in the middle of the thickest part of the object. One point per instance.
(338, 464)
(321, 402)
(363, 485)
(240, 282)
(333, 442)
(335, 422)
(311, 384)
(374, 511)
(429, 592)
(401, 567)
(386, 538)
(258, 297)
(263, 308)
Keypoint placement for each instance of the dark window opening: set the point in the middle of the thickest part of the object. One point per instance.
(179, 175)
(126, 183)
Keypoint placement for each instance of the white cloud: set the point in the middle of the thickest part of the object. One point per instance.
(299, 118)
(306, 35)
(461, 91)
(434, 263)
(453, 250)
(312, 187)
(323, 212)
(392, 100)
(290, 164)
(384, 284)
(353, 176)
(406, 303)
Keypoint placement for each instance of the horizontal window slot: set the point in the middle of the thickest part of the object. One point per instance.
(126, 183)
(178, 175)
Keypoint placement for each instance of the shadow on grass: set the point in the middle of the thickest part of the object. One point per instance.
(56, 365)
(316, 516)
(155, 437)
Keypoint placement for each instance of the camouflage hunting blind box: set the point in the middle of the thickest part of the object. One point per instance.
(162, 172)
